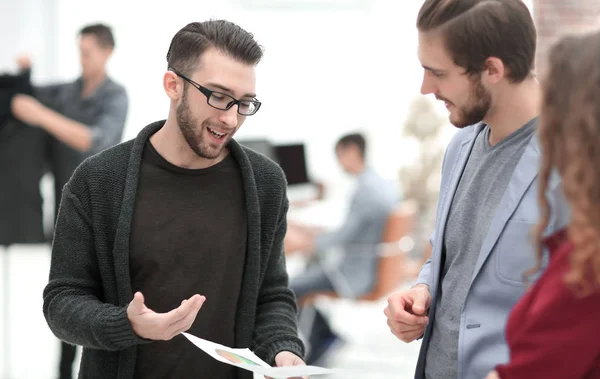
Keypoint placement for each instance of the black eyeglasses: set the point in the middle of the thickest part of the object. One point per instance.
(221, 100)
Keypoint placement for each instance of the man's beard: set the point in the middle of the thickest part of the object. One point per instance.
(192, 132)
(475, 112)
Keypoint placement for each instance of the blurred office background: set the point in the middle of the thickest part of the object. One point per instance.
(330, 67)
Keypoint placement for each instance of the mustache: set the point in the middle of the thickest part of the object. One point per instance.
(441, 98)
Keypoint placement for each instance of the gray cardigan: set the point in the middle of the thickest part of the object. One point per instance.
(89, 289)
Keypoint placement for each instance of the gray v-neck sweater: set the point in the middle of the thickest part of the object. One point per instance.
(86, 299)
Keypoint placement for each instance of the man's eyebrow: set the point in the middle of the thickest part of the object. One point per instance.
(434, 70)
(229, 91)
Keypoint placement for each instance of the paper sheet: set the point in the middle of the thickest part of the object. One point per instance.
(247, 360)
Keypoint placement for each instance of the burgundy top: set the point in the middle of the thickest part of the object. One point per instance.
(551, 332)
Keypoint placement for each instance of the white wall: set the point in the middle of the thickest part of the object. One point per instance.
(355, 69)
(28, 27)
(355, 66)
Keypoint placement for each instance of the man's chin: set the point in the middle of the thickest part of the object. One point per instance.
(456, 122)
(211, 152)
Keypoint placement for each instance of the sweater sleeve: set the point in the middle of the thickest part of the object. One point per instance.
(276, 329)
(558, 337)
(72, 299)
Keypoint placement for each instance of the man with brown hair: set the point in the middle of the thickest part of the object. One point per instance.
(478, 57)
(178, 219)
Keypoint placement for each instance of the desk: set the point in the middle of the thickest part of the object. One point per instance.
(323, 214)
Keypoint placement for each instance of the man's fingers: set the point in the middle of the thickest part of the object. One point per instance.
(410, 319)
(403, 328)
(184, 309)
(163, 326)
(405, 332)
(396, 303)
(404, 317)
(24, 61)
(387, 312)
(420, 304)
(179, 326)
(411, 336)
(407, 336)
(178, 331)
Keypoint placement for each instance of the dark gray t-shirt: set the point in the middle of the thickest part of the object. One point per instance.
(188, 236)
(482, 185)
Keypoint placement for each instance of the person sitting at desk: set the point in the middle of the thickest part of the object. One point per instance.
(358, 238)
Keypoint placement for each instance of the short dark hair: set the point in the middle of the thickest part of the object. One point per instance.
(103, 34)
(475, 30)
(195, 38)
(354, 139)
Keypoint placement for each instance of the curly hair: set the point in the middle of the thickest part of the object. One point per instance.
(570, 142)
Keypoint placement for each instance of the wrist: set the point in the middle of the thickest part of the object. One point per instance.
(45, 118)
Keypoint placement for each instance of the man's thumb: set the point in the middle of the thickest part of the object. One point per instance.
(137, 304)
(420, 302)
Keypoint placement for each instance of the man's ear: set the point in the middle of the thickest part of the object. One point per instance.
(494, 70)
(173, 87)
(107, 51)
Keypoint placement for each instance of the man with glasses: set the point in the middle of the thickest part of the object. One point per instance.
(180, 229)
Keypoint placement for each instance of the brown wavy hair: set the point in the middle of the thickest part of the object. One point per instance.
(570, 142)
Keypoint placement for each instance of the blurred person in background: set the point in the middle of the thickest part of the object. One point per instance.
(553, 331)
(478, 57)
(83, 118)
(147, 226)
(357, 240)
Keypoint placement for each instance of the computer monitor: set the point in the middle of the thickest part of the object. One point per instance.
(290, 157)
(292, 160)
(262, 146)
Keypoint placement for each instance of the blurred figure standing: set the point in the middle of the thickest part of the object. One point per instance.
(84, 117)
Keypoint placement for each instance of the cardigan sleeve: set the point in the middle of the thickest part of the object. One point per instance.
(72, 299)
(275, 329)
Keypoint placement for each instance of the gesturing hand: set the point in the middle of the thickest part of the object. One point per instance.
(162, 326)
(407, 312)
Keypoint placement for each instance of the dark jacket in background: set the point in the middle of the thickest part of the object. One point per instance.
(23, 157)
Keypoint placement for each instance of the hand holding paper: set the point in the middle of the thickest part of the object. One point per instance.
(247, 360)
(285, 358)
